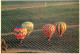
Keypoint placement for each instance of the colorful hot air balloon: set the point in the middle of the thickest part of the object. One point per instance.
(29, 26)
(48, 29)
(20, 32)
(60, 28)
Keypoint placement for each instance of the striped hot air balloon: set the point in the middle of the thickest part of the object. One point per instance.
(60, 28)
(48, 29)
(20, 32)
(29, 26)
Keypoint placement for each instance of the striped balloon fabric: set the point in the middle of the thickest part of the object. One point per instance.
(60, 28)
(48, 29)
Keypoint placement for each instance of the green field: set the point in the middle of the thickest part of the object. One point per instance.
(16, 4)
(40, 16)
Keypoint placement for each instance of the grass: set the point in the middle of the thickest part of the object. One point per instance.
(68, 43)
(69, 14)
(40, 16)
(16, 4)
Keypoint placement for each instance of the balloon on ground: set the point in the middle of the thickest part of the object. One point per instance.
(60, 28)
(48, 29)
(29, 26)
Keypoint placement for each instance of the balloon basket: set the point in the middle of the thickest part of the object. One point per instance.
(48, 39)
(20, 40)
(60, 36)
(28, 36)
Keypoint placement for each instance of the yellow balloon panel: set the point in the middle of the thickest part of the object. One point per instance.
(29, 26)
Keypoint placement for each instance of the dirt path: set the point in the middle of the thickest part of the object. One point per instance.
(72, 26)
(69, 26)
(24, 50)
(40, 6)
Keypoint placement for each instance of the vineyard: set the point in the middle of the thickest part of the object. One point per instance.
(37, 42)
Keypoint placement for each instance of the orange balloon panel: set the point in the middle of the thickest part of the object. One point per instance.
(20, 32)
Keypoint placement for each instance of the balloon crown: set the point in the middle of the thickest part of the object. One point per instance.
(19, 27)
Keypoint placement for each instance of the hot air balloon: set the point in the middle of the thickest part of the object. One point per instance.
(48, 29)
(60, 28)
(29, 26)
(20, 32)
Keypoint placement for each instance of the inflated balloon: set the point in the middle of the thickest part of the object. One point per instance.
(29, 26)
(20, 32)
(60, 28)
(48, 29)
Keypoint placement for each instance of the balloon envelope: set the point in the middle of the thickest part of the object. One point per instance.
(29, 26)
(48, 29)
(20, 32)
(60, 28)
